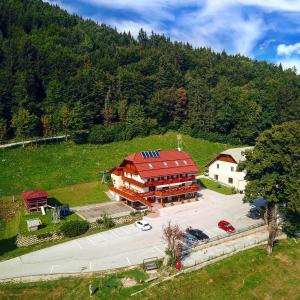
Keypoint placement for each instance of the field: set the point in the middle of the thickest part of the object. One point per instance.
(247, 275)
(220, 188)
(55, 166)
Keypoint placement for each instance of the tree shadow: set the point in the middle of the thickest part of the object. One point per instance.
(54, 202)
(7, 245)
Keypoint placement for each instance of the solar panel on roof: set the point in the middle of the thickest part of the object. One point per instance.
(147, 154)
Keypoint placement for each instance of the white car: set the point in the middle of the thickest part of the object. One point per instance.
(143, 225)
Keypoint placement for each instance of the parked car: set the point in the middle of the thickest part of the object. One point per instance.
(225, 225)
(255, 213)
(143, 225)
(199, 234)
(206, 173)
(190, 240)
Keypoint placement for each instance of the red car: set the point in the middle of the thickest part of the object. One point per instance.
(226, 226)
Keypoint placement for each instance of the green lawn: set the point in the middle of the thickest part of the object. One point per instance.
(107, 287)
(217, 187)
(250, 274)
(47, 224)
(80, 194)
(59, 165)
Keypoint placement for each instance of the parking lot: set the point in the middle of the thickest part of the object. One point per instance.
(128, 245)
(92, 212)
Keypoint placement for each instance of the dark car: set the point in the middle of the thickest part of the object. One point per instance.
(200, 235)
(255, 213)
(190, 239)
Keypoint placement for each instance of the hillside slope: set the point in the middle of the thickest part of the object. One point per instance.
(60, 73)
(54, 166)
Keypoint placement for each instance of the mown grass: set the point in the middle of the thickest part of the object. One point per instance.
(217, 187)
(46, 220)
(105, 287)
(80, 194)
(59, 165)
(251, 274)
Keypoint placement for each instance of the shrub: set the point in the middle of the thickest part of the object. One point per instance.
(74, 228)
(99, 221)
(80, 136)
(44, 235)
(107, 221)
(101, 135)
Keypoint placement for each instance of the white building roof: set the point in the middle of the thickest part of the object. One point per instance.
(237, 153)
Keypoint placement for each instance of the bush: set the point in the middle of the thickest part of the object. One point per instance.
(44, 235)
(101, 135)
(74, 228)
(107, 221)
(80, 136)
(99, 221)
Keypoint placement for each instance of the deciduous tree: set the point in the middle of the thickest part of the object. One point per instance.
(273, 173)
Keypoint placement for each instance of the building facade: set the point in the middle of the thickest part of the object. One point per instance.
(148, 177)
(223, 168)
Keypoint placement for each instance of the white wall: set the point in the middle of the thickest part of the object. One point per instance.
(224, 172)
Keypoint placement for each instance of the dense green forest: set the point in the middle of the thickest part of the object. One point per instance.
(60, 73)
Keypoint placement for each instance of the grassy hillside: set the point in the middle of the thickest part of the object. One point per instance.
(55, 166)
(248, 275)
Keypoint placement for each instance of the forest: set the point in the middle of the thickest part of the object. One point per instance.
(60, 74)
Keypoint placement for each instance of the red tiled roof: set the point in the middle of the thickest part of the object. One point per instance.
(170, 162)
(35, 194)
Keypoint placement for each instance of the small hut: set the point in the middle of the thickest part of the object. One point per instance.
(33, 200)
(33, 224)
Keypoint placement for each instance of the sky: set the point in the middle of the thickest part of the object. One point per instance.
(260, 29)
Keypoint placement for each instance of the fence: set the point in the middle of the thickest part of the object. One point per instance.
(223, 236)
(47, 140)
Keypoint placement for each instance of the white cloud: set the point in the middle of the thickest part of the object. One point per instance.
(290, 63)
(219, 24)
(288, 50)
(133, 27)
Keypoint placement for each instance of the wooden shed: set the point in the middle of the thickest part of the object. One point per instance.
(33, 200)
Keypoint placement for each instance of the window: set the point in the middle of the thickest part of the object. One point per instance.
(218, 166)
(230, 180)
(184, 162)
(216, 177)
(232, 169)
(176, 163)
(150, 166)
(165, 164)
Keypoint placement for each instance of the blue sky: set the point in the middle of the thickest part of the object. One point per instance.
(262, 29)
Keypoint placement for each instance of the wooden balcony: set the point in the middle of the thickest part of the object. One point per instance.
(158, 182)
(177, 190)
(130, 195)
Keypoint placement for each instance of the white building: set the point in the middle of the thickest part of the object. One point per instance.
(223, 168)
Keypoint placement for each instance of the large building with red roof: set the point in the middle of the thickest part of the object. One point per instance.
(148, 177)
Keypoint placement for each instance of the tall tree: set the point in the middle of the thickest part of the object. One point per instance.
(24, 123)
(273, 173)
(181, 106)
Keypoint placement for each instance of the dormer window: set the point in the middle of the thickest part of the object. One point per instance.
(184, 162)
(176, 163)
(165, 164)
(150, 166)
(232, 169)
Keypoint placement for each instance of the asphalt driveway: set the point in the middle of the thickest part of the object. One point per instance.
(128, 245)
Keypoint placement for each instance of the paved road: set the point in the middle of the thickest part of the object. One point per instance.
(127, 245)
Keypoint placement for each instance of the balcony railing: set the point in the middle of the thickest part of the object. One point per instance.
(135, 196)
(158, 182)
(177, 191)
